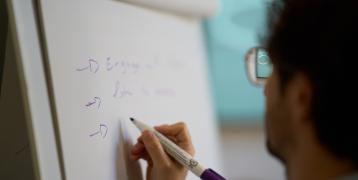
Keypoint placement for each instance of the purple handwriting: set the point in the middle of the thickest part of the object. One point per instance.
(110, 64)
(96, 100)
(92, 66)
(121, 91)
(103, 129)
(123, 66)
(127, 66)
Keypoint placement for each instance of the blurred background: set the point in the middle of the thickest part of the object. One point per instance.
(238, 26)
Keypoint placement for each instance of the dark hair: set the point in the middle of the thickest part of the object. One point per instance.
(320, 38)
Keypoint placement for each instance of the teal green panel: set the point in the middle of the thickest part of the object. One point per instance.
(229, 35)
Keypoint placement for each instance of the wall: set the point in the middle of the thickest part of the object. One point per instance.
(245, 155)
(230, 34)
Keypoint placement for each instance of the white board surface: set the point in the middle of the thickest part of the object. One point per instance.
(199, 8)
(109, 61)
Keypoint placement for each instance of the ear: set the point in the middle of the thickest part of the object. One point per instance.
(300, 94)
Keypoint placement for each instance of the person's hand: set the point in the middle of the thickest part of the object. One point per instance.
(160, 165)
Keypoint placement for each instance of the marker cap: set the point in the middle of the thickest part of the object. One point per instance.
(210, 174)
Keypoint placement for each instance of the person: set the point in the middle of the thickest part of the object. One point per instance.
(310, 118)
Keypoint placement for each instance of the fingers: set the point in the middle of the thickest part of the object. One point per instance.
(143, 156)
(180, 133)
(138, 151)
(155, 149)
(177, 132)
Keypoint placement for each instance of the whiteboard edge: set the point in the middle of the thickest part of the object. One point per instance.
(42, 141)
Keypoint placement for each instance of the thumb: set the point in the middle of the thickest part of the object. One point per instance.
(154, 148)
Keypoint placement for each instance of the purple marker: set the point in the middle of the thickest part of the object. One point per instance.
(180, 155)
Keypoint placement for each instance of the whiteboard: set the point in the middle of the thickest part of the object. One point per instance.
(33, 87)
(108, 61)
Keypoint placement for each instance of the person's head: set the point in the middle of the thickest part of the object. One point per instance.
(312, 93)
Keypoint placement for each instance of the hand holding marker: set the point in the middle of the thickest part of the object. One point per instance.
(179, 154)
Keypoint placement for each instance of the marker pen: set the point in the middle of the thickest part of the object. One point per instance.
(180, 155)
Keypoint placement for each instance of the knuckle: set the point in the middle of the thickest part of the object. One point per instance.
(182, 125)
